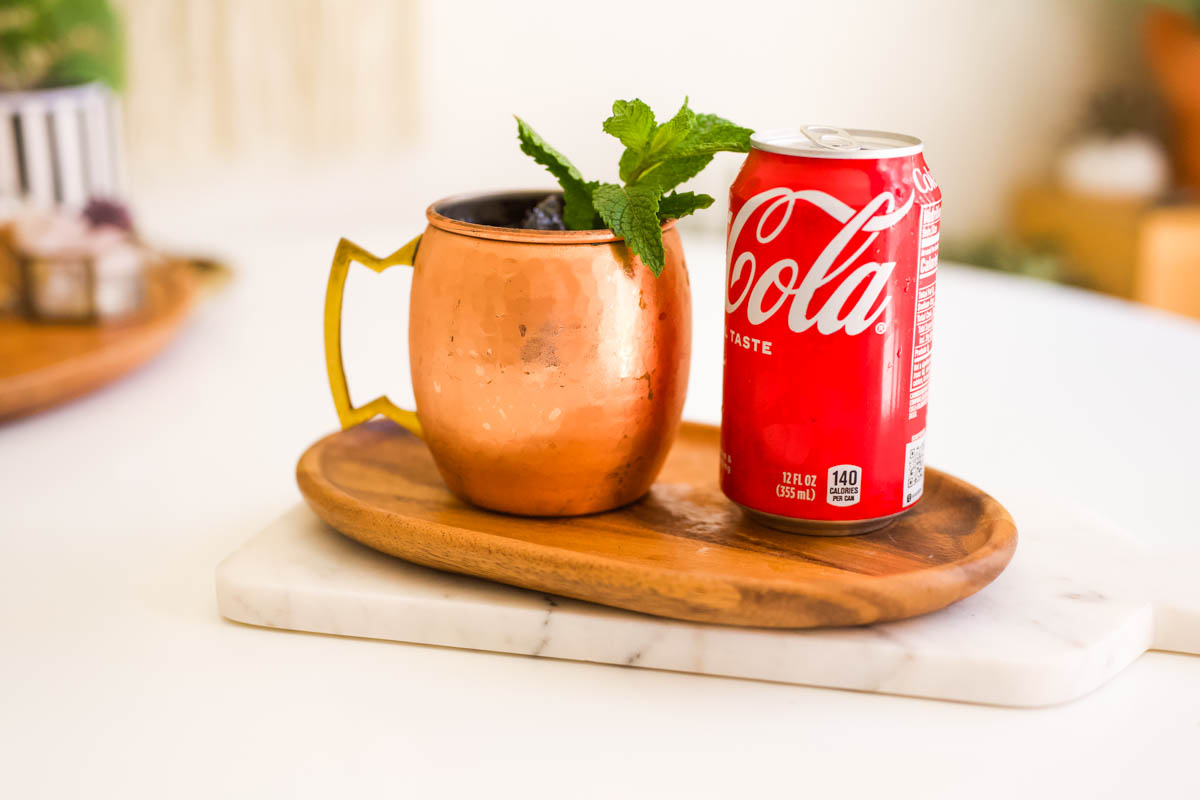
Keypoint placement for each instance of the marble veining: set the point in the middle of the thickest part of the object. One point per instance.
(1079, 602)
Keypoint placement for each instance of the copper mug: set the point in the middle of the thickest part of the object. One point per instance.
(549, 367)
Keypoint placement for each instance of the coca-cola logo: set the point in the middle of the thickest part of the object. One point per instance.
(795, 287)
(923, 180)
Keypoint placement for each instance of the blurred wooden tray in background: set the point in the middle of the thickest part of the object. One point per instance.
(44, 364)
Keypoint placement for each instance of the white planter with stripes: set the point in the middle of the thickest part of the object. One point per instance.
(60, 147)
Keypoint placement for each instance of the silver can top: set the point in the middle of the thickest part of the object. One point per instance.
(827, 141)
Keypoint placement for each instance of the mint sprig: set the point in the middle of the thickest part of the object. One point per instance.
(657, 159)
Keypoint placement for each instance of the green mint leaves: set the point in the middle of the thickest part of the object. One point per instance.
(632, 123)
(632, 213)
(657, 159)
(677, 205)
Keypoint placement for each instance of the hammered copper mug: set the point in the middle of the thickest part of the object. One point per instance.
(549, 367)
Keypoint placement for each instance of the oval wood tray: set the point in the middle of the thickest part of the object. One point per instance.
(683, 551)
(43, 364)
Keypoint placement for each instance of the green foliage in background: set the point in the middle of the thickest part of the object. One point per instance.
(657, 159)
(1032, 259)
(47, 43)
(1191, 7)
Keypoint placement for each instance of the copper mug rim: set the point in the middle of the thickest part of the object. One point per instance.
(501, 234)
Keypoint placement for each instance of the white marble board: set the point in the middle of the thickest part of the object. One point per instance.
(1079, 602)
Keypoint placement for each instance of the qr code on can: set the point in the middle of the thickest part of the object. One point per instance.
(914, 469)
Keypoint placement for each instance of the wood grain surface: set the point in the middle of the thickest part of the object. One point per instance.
(682, 551)
(43, 364)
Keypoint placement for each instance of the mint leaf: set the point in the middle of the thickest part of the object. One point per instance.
(679, 204)
(673, 130)
(578, 212)
(666, 175)
(632, 122)
(712, 134)
(643, 140)
(632, 213)
(536, 148)
(630, 164)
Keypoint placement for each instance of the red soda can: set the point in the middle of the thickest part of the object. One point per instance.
(831, 260)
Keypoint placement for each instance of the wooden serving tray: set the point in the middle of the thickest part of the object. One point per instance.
(43, 364)
(683, 551)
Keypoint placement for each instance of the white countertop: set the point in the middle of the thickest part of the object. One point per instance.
(119, 679)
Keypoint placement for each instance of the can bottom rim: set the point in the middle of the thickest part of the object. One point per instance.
(820, 527)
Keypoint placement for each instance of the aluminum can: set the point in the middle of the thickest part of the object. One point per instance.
(831, 261)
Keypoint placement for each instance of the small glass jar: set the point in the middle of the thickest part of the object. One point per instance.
(69, 271)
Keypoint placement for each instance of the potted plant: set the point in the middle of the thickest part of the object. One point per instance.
(550, 333)
(1172, 38)
(61, 62)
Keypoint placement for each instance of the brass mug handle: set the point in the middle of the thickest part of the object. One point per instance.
(348, 252)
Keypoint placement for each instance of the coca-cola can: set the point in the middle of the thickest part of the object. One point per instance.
(831, 260)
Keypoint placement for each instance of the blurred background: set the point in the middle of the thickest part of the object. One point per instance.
(1051, 127)
(994, 88)
(1065, 133)
(1055, 127)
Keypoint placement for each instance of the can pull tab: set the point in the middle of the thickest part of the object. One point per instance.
(828, 137)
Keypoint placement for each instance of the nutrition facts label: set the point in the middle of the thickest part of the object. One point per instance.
(927, 259)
